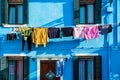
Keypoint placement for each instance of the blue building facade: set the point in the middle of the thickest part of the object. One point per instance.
(60, 13)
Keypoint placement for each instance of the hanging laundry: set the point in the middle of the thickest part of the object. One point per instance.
(91, 32)
(53, 32)
(40, 36)
(29, 42)
(59, 68)
(11, 36)
(25, 31)
(26, 36)
(105, 29)
(78, 32)
(67, 32)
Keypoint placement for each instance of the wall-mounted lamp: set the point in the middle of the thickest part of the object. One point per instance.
(33, 59)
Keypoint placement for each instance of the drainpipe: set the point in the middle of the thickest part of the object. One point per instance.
(115, 22)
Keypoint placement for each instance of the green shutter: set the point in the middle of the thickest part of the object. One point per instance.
(98, 68)
(4, 11)
(75, 68)
(76, 12)
(25, 11)
(3, 68)
(98, 11)
(26, 68)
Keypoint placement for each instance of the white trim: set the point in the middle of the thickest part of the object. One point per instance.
(13, 25)
(86, 54)
(38, 65)
(22, 54)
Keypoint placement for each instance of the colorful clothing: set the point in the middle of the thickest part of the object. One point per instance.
(59, 68)
(11, 36)
(91, 32)
(53, 32)
(67, 32)
(105, 29)
(78, 32)
(40, 36)
(25, 31)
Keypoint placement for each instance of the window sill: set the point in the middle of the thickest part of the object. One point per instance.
(14, 25)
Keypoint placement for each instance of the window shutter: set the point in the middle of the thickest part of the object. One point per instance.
(25, 11)
(4, 11)
(75, 68)
(97, 68)
(76, 12)
(98, 11)
(3, 68)
(26, 68)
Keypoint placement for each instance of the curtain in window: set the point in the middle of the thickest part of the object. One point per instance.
(11, 70)
(12, 15)
(19, 70)
(20, 14)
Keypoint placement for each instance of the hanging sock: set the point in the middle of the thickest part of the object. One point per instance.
(59, 68)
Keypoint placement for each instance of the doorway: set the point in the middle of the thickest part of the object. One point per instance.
(48, 70)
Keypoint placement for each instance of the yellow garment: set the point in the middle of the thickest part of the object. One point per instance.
(25, 31)
(40, 36)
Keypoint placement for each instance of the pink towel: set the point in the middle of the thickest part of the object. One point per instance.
(91, 32)
(78, 32)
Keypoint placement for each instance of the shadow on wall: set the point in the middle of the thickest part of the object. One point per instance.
(62, 17)
(60, 47)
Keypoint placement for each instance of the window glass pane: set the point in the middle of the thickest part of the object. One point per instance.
(20, 14)
(82, 14)
(11, 70)
(12, 15)
(81, 70)
(90, 14)
(90, 70)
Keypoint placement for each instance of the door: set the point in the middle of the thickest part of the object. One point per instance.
(48, 67)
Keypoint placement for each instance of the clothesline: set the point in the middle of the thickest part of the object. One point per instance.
(14, 25)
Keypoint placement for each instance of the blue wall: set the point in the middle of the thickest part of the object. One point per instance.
(49, 13)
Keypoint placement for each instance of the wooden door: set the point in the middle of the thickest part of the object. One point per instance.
(45, 67)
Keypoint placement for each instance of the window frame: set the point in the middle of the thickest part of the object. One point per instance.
(85, 4)
(15, 59)
(96, 60)
(97, 11)
(15, 5)
(5, 15)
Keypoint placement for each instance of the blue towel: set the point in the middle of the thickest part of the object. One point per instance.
(59, 68)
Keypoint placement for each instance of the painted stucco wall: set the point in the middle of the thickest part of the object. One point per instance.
(59, 13)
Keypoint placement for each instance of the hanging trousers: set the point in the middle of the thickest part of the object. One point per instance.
(29, 42)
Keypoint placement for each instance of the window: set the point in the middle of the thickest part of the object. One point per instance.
(87, 11)
(14, 12)
(87, 68)
(14, 68)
